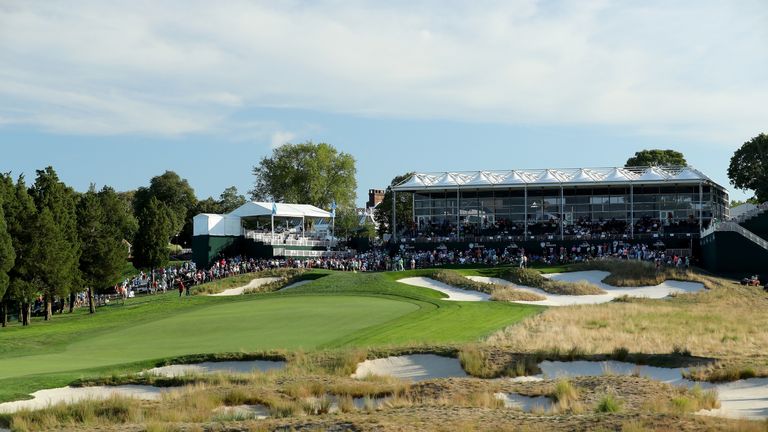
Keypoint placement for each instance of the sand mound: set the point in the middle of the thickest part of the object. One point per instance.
(246, 366)
(43, 398)
(255, 283)
(454, 294)
(595, 277)
(416, 367)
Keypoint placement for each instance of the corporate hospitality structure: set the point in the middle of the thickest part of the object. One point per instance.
(561, 204)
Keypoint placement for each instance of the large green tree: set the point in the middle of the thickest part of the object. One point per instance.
(749, 167)
(150, 248)
(230, 199)
(306, 173)
(404, 212)
(103, 253)
(20, 215)
(174, 192)
(656, 157)
(60, 277)
(118, 210)
(7, 259)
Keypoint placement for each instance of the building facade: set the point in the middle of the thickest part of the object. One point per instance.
(562, 203)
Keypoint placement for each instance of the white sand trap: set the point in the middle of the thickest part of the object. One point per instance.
(595, 277)
(454, 294)
(524, 403)
(259, 412)
(255, 283)
(746, 399)
(246, 366)
(578, 368)
(297, 284)
(44, 398)
(416, 367)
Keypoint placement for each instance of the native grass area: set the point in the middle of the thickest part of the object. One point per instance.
(326, 325)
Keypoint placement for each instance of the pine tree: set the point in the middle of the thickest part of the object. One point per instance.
(102, 252)
(61, 277)
(150, 248)
(20, 214)
(7, 259)
(50, 259)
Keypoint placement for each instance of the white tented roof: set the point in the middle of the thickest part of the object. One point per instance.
(251, 209)
(550, 177)
(216, 225)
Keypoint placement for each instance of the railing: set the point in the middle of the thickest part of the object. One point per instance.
(545, 237)
(308, 253)
(752, 213)
(282, 239)
(734, 227)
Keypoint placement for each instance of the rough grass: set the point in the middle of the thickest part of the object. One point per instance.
(532, 278)
(497, 292)
(609, 404)
(727, 322)
(632, 273)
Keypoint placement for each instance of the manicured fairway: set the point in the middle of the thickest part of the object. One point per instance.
(336, 311)
(263, 323)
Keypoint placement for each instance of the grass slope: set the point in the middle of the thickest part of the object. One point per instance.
(335, 311)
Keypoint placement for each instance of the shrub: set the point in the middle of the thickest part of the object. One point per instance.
(609, 404)
(565, 394)
(620, 353)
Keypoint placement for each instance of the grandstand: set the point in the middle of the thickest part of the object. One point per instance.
(668, 203)
(263, 230)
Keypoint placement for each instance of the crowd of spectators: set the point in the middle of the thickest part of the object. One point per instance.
(582, 228)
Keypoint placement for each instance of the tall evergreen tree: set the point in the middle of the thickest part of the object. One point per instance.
(7, 259)
(62, 277)
(150, 248)
(20, 214)
(50, 252)
(102, 252)
(119, 212)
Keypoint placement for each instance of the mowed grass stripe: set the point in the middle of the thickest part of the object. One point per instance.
(295, 322)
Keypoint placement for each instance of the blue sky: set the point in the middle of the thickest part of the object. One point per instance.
(116, 93)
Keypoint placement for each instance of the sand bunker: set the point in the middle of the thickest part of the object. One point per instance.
(297, 284)
(258, 412)
(246, 366)
(44, 398)
(524, 403)
(739, 399)
(255, 283)
(595, 277)
(454, 294)
(416, 367)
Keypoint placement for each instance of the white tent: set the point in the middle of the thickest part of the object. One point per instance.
(251, 209)
(231, 224)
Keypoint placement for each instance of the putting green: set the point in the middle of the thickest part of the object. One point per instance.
(290, 322)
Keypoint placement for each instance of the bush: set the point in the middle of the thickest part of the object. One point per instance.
(609, 404)
(620, 353)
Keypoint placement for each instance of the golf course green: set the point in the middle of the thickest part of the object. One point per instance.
(335, 311)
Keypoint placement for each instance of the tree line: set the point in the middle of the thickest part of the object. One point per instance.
(56, 242)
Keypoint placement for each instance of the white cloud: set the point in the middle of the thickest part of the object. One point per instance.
(692, 69)
(281, 137)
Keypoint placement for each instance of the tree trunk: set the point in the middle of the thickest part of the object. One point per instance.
(21, 313)
(3, 313)
(72, 298)
(26, 310)
(48, 308)
(91, 306)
